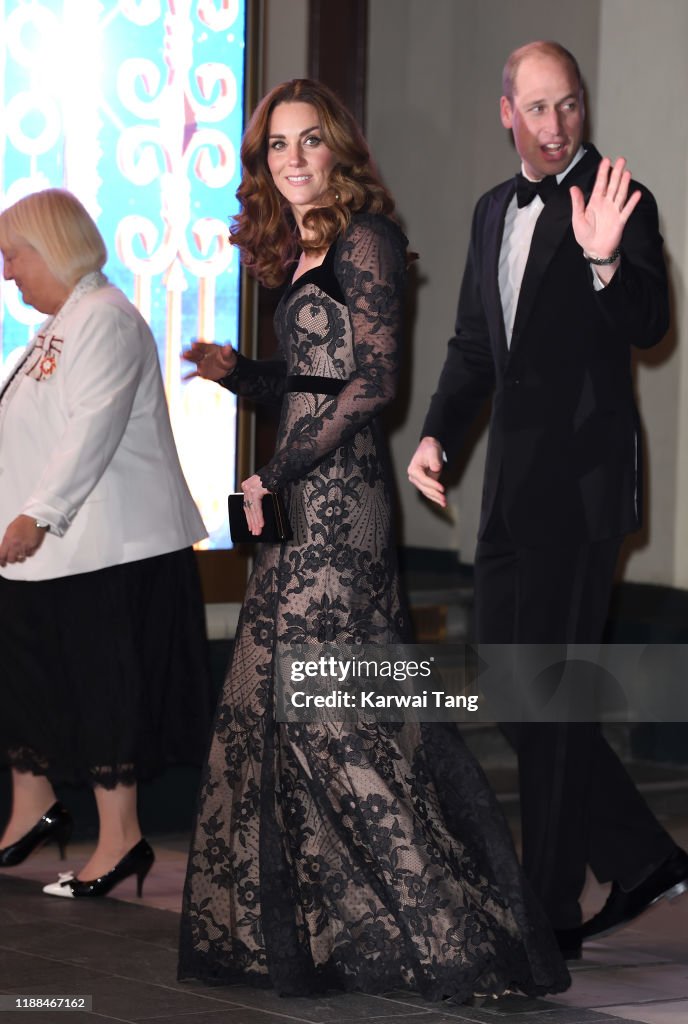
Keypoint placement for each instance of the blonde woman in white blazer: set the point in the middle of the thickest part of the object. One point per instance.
(101, 620)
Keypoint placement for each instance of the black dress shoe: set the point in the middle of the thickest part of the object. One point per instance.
(570, 941)
(55, 826)
(669, 880)
(137, 862)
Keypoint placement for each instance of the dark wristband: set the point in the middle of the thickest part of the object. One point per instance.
(603, 261)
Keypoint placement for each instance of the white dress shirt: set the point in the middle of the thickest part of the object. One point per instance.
(519, 225)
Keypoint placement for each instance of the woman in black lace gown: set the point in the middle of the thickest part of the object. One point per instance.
(358, 856)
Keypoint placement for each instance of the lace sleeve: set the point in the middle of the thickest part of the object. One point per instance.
(370, 265)
(260, 380)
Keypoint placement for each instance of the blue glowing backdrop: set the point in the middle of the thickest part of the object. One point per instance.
(136, 106)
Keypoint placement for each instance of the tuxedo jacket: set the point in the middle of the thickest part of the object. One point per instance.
(564, 448)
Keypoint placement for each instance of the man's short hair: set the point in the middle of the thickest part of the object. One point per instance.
(543, 47)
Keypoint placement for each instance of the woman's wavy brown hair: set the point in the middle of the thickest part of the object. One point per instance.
(265, 230)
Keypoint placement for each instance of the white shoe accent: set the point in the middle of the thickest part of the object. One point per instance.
(61, 887)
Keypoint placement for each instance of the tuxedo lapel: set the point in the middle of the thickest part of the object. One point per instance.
(550, 230)
(494, 229)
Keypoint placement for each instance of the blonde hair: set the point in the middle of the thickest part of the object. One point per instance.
(60, 229)
(543, 48)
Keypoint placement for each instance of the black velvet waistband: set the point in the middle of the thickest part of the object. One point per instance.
(314, 385)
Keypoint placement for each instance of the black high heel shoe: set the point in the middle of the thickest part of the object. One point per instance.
(55, 826)
(137, 862)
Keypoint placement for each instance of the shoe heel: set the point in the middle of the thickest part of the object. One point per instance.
(53, 826)
(140, 877)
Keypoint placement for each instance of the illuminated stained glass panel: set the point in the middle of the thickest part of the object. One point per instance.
(136, 106)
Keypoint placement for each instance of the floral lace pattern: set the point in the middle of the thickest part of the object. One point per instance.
(356, 856)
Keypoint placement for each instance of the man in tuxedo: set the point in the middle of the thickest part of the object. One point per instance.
(564, 274)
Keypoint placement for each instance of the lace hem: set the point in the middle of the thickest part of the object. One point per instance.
(28, 762)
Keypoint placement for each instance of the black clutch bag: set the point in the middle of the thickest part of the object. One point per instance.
(276, 529)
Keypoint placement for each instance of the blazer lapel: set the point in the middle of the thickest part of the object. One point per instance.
(494, 229)
(551, 227)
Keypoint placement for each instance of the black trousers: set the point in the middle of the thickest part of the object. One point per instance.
(578, 804)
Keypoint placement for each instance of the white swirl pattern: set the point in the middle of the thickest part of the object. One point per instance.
(135, 106)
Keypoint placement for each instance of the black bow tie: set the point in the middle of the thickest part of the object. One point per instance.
(526, 190)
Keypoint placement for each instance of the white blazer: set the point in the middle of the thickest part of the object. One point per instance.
(86, 445)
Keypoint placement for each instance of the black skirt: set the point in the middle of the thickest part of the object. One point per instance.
(105, 675)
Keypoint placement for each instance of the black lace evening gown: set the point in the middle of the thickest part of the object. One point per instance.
(357, 856)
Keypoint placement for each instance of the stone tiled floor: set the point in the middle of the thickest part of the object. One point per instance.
(122, 952)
